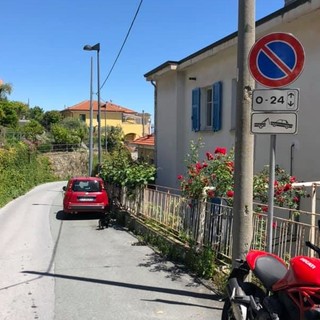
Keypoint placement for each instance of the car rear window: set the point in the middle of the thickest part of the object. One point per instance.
(86, 186)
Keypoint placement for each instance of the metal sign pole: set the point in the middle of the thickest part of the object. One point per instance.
(272, 168)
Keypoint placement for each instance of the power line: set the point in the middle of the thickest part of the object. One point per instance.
(123, 44)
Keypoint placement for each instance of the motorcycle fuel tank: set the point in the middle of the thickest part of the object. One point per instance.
(303, 271)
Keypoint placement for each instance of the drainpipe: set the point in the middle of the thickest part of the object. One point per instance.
(155, 122)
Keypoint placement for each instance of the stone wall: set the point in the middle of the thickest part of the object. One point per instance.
(67, 164)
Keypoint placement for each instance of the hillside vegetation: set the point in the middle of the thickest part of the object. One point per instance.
(21, 169)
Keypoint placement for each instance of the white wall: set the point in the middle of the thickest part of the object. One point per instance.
(166, 135)
(219, 64)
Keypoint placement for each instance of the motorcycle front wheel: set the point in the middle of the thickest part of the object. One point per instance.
(227, 313)
(249, 289)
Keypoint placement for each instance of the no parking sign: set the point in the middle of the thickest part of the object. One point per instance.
(276, 60)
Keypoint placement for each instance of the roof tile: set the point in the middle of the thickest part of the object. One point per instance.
(147, 140)
(111, 107)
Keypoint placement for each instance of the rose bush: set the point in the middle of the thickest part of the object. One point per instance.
(214, 176)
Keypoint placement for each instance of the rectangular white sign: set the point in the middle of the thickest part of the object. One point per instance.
(274, 123)
(275, 99)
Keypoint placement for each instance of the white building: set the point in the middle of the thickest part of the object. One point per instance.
(178, 84)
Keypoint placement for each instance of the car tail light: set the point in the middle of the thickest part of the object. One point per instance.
(102, 185)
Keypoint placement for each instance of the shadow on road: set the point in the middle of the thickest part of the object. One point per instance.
(180, 303)
(158, 263)
(61, 215)
(186, 293)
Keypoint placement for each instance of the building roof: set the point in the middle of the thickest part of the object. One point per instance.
(147, 141)
(173, 65)
(111, 107)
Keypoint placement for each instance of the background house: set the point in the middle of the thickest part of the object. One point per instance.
(199, 93)
(133, 124)
(143, 148)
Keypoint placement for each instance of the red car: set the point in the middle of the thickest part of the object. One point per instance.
(85, 195)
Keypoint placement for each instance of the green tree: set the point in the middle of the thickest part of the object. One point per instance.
(32, 129)
(9, 117)
(36, 113)
(76, 127)
(5, 90)
(20, 108)
(50, 117)
(63, 135)
(115, 137)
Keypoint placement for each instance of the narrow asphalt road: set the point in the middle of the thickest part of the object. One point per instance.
(58, 267)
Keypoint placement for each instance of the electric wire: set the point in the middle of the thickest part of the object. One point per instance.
(123, 44)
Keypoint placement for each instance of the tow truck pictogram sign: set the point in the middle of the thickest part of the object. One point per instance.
(274, 123)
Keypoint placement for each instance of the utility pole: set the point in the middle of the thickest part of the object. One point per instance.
(243, 197)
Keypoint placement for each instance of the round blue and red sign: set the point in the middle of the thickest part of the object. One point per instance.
(276, 60)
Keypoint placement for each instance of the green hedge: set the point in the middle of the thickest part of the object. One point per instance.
(21, 169)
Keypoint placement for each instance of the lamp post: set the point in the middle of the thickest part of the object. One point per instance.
(96, 47)
(90, 128)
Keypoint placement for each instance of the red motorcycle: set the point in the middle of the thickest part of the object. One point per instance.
(290, 293)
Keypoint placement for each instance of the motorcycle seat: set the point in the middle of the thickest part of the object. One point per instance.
(269, 270)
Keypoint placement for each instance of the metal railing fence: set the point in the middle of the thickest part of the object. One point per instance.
(207, 223)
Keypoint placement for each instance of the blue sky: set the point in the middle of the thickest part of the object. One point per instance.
(41, 51)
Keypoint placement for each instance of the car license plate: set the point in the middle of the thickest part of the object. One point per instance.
(88, 199)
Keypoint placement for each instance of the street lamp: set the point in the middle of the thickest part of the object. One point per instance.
(96, 47)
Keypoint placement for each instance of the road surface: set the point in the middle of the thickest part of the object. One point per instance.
(55, 267)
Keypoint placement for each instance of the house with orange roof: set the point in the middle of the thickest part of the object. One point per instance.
(134, 124)
(144, 148)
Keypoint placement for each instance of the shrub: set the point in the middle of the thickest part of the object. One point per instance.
(120, 169)
(20, 170)
(213, 177)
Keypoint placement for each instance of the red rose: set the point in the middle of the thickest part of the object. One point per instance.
(230, 164)
(295, 199)
(287, 187)
(230, 193)
(198, 166)
(220, 150)
(180, 177)
(209, 156)
(210, 193)
(293, 179)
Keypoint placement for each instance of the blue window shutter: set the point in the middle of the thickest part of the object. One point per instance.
(195, 109)
(217, 106)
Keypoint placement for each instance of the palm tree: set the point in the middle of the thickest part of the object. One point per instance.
(5, 89)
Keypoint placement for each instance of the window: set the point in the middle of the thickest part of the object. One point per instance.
(209, 115)
(207, 108)
(86, 186)
(82, 117)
